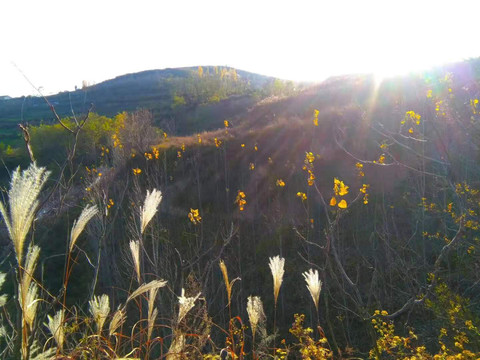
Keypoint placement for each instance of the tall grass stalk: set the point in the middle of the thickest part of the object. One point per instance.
(276, 264)
(23, 202)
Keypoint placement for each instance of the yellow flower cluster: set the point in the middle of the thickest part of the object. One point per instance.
(110, 203)
(218, 143)
(315, 117)
(340, 189)
(302, 195)
(359, 167)
(280, 183)
(116, 141)
(251, 166)
(194, 216)
(137, 171)
(308, 167)
(473, 106)
(240, 200)
(363, 190)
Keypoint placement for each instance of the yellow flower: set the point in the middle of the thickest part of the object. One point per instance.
(225, 122)
(240, 200)
(342, 204)
(136, 171)
(165, 135)
(251, 166)
(315, 117)
(199, 139)
(339, 187)
(179, 154)
(302, 195)
(429, 93)
(99, 174)
(183, 147)
(410, 131)
(243, 145)
(333, 201)
(309, 158)
(194, 216)
(311, 178)
(280, 183)
(217, 142)
(255, 148)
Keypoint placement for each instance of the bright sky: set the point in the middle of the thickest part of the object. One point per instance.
(59, 43)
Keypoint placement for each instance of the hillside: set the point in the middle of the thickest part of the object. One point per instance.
(180, 99)
(375, 185)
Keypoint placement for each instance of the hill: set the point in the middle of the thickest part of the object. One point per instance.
(182, 100)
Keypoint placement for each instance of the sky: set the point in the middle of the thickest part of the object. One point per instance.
(57, 44)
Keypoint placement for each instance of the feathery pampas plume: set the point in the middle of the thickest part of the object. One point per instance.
(186, 304)
(118, 319)
(22, 198)
(55, 325)
(78, 225)
(152, 200)
(155, 284)
(276, 266)
(152, 312)
(228, 284)
(100, 308)
(255, 312)
(135, 251)
(314, 285)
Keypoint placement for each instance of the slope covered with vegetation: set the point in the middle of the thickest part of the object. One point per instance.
(368, 189)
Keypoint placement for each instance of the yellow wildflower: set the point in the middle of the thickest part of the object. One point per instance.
(136, 171)
(240, 200)
(302, 195)
(280, 183)
(194, 216)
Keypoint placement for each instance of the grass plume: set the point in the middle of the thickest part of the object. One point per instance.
(99, 308)
(277, 264)
(23, 202)
(314, 285)
(78, 225)
(149, 209)
(135, 251)
(55, 326)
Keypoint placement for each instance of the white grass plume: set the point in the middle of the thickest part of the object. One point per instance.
(151, 321)
(255, 312)
(78, 225)
(228, 284)
(152, 200)
(28, 303)
(23, 202)
(28, 290)
(30, 265)
(100, 308)
(56, 326)
(314, 285)
(118, 319)
(135, 251)
(277, 264)
(147, 287)
(186, 304)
